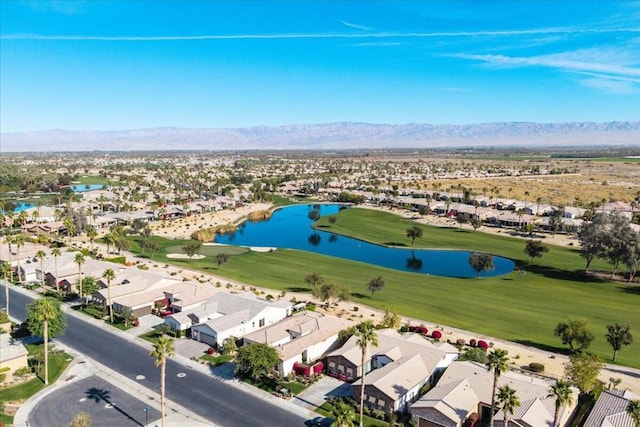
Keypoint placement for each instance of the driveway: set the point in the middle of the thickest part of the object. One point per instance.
(317, 394)
(190, 348)
(107, 405)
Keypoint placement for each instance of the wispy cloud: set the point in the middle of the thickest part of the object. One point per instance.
(375, 44)
(378, 35)
(612, 70)
(585, 60)
(65, 7)
(356, 26)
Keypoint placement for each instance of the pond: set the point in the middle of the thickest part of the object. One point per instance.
(290, 227)
(81, 188)
(20, 206)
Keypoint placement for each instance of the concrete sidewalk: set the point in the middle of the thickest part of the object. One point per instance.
(176, 415)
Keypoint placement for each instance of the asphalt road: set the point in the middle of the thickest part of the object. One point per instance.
(107, 405)
(207, 397)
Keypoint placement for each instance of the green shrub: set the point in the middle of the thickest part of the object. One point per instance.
(536, 367)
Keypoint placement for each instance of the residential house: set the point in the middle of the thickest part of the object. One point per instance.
(610, 409)
(233, 315)
(397, 368)
(13, 355)
(301, 338)
(67, 274)
(463, 393)
(136, 290)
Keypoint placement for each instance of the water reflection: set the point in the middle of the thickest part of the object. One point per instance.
(414, 263)
(291, 227)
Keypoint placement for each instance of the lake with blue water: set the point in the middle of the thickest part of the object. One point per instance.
(80, 188)
(290, 227)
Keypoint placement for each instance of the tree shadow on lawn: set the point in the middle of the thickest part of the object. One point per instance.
(546, 347)
(630, 289)
(555, 273)
(297, 289)
(360, 296)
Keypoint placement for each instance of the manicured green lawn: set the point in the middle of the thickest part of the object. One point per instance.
(210, 250)
(58, 362)
(94, 180)
(522, 309)
(217, 360)
(152, 336)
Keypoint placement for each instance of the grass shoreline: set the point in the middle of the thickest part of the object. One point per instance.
(522, 309)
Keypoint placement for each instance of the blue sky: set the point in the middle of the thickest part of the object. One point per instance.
(109, 65)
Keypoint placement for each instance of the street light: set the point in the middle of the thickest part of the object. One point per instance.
(146, 416)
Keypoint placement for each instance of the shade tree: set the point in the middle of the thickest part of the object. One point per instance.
(414, 233)
(618, 335)
(376, 285)
(575, 333)
(535, 249)
(481, 262)
(582, 370)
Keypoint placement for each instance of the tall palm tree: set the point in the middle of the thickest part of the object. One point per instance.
(79, 259)
(19, 241)
(56, 253)
(497, 362)
(40, 255)
(633, 409)
(41, 312)
(109, 275)
(366, 336)
(561, 391)
(5, 269)
(161, 351)
(508, 402)
(92, 234)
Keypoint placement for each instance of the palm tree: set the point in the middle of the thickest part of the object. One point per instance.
(497, 362)
(561, 391)
(79, 259)
(161, 350)
(40, 255)
(633, 409)
(366, 336)
(19, 241)
(343, 415)
(56, 253)
(92, 234)
(109, 275)
(508, 402)
(5, 269)
(41, 312)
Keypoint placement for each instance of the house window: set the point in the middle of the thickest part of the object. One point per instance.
(332, 364)
(372, 399)
(381, 403)
(350, 371)
(261, 323)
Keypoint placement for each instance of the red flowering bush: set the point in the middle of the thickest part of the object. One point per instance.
(472, 342)
(436, 335)
(483, 344)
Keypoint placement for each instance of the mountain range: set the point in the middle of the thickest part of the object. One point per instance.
(344, 135)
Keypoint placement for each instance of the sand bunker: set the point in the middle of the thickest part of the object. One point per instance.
(262, 249)
(184, 256)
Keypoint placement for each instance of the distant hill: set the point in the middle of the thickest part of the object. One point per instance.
(346, 135)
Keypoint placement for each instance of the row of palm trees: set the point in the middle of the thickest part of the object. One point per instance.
(503, 397)
(44, 312)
